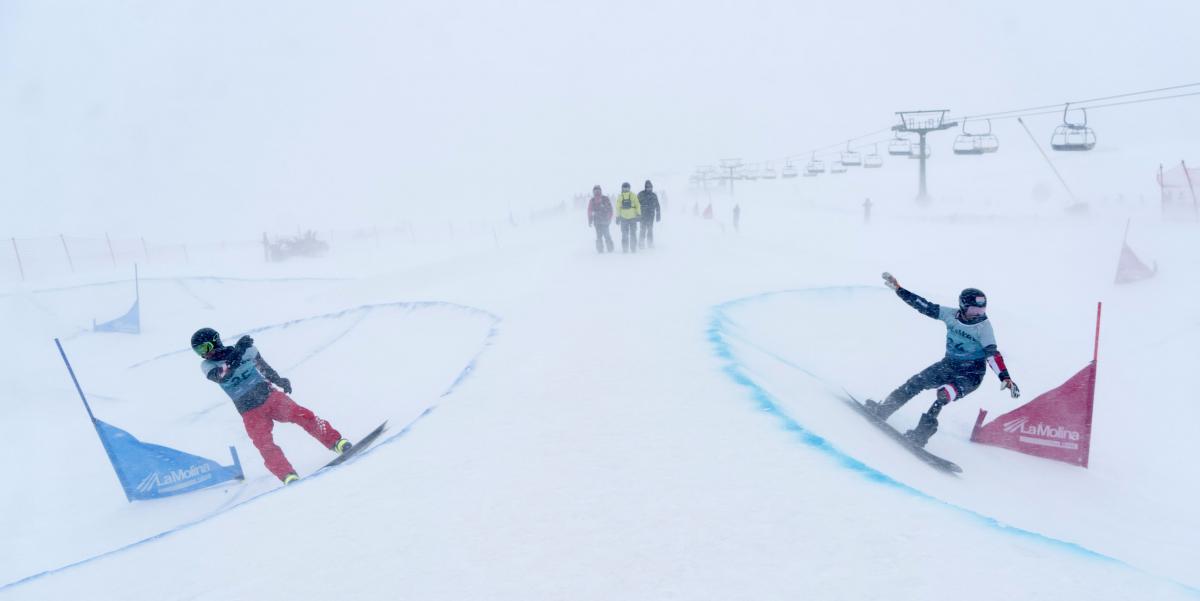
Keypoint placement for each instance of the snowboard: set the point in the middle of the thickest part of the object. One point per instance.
(930, 459)
(358, 447)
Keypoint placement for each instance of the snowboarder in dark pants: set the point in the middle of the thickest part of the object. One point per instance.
(600, 214)
(651, 212)
(628, 212)
(247, 378)
(970, 349)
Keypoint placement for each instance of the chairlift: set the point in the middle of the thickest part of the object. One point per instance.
(916, 151)
(814, 166)
(968, 143)
(873, 160)
(769, 172)
(851, 158)
(808, 173)
(900, 146)
(837, 167)
(789, 170)
(1073, 136)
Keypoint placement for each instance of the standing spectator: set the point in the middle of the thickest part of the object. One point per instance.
(600, 214)
(628, 212)
(651, 212)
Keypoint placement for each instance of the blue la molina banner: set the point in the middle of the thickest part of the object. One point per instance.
(150, 471)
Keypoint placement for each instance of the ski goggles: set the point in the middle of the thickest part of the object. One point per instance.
(975, 311)
(204, 348)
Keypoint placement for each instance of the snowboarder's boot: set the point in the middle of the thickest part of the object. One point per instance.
(600, 246)
(873, 408)
(341, 446)
(885, 409)
(292, 477)
(925, 428)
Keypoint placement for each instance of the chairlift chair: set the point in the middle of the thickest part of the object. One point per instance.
(968, 143)
(814, 166)
(789, 170)
(769, 173)
(900, 146)
(837, 167)
(916, 151)
(851, 158)
(1073, 136)
(873, 160)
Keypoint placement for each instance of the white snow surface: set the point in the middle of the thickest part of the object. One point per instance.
(663, 425)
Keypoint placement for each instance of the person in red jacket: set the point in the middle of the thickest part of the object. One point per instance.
(600, 215)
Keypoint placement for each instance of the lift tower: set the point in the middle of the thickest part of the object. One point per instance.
(921, 123)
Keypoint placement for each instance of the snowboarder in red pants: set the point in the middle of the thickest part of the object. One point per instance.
(247, 378)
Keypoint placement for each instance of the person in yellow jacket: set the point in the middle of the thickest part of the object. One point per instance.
(629, 212)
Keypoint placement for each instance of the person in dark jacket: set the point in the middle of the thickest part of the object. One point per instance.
(600, 215)
(247, 378)
(970, 350)
(651, 212)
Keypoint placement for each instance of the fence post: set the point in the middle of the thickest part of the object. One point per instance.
(145, 249)
(16, 252)
(68, 251)
(111, 254)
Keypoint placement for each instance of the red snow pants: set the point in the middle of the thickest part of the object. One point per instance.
(279, 407)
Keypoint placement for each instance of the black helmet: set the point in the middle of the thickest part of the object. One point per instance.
(972, 297)
(205, 337)
(625, 186)
(649, 186)
(596, 188)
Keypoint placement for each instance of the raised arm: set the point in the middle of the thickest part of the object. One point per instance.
(923, 306)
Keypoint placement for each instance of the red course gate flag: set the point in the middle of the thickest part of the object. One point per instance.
(1055, 425)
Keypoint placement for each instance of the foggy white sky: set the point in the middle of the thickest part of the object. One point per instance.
(141, 116)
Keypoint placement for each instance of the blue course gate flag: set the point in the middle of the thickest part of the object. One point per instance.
(150, 471)
(131, 321)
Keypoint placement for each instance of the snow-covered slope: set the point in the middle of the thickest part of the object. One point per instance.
(611, 441)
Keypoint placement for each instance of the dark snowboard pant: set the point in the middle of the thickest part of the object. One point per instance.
(954, 379)
(603, 239)
(628, 235)
(646, 235)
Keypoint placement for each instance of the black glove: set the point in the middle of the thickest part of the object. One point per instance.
(1011, 387)
(244, 343)
(285, 384)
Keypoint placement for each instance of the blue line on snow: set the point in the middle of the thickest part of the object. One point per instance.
(459, 379)
(718, 335)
